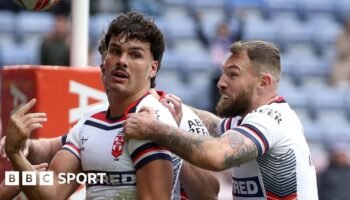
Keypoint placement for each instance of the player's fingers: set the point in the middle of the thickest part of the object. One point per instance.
(2, 145)
(25, 149)
(146, 109)
(173, 97)
(130, 115)
(33, 127)
(174, 103)
(34, 121)
(42, 169)
(167, 104)
(33, 115)
(24, 109)
(2, 148)
(3, 154)
(41, 166)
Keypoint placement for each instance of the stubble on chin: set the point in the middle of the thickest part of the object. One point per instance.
(231, 108)
(225, 108)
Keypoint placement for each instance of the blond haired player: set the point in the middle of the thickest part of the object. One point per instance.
(266, 150)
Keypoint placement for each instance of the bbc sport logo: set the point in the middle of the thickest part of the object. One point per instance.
(47, 178)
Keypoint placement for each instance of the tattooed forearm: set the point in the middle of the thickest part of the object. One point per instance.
(188, 146)
(243, 149)
(174, 140)
(210, 121)
(210, 153)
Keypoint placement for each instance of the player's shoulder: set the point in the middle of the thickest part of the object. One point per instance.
(187, 110)
(151, 101)
(188, 113)
(162, 111)
(268, 112)
(191, 122)
(93, 110)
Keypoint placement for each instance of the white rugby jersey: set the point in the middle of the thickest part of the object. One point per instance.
(283, 169)
(98, 142)
(190, 122)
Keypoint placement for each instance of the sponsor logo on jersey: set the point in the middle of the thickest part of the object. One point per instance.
(117, 148)
(127, 178)
(276, 115)
(196, 126)
(247, 187)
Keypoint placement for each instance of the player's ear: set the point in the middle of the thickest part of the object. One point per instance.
(102, 68)
(153, 69)
(265, 81)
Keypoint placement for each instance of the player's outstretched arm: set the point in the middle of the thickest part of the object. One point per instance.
(210, 120)
(10, 192)
(21, 125)
(199, 183)
(231, 149)
(25, 148)
(37, 150)
(43, 150)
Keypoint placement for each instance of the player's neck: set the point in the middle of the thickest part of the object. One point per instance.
(263, 101)
(119, 103)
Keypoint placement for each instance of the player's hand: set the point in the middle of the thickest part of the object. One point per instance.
(25, 148)
(21, 125)
(174, 105)
(137, 125)
(41, 167)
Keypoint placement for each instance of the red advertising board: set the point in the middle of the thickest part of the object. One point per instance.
(63, 93)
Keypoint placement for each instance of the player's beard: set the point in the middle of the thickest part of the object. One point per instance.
(235, 107)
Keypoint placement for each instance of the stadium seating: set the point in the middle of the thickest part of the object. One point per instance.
(34, 24)
(99, 24)
(7, 26)
(17, 54)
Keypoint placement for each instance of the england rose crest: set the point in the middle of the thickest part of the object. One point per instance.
(117, 148)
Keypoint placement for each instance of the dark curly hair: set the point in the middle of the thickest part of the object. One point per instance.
(134, 25)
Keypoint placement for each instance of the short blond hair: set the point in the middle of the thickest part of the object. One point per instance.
(264, 56)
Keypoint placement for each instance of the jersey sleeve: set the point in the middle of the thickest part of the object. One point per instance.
(228, 124)
(145, 151)
(262, 129)
(63, 139)
(72, 141)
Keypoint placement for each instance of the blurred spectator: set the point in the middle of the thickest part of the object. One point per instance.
(340, 72)
(334, 182)
(218, 46)
(63, 7)
(54, 49)
(126, 5)
(218, 49)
